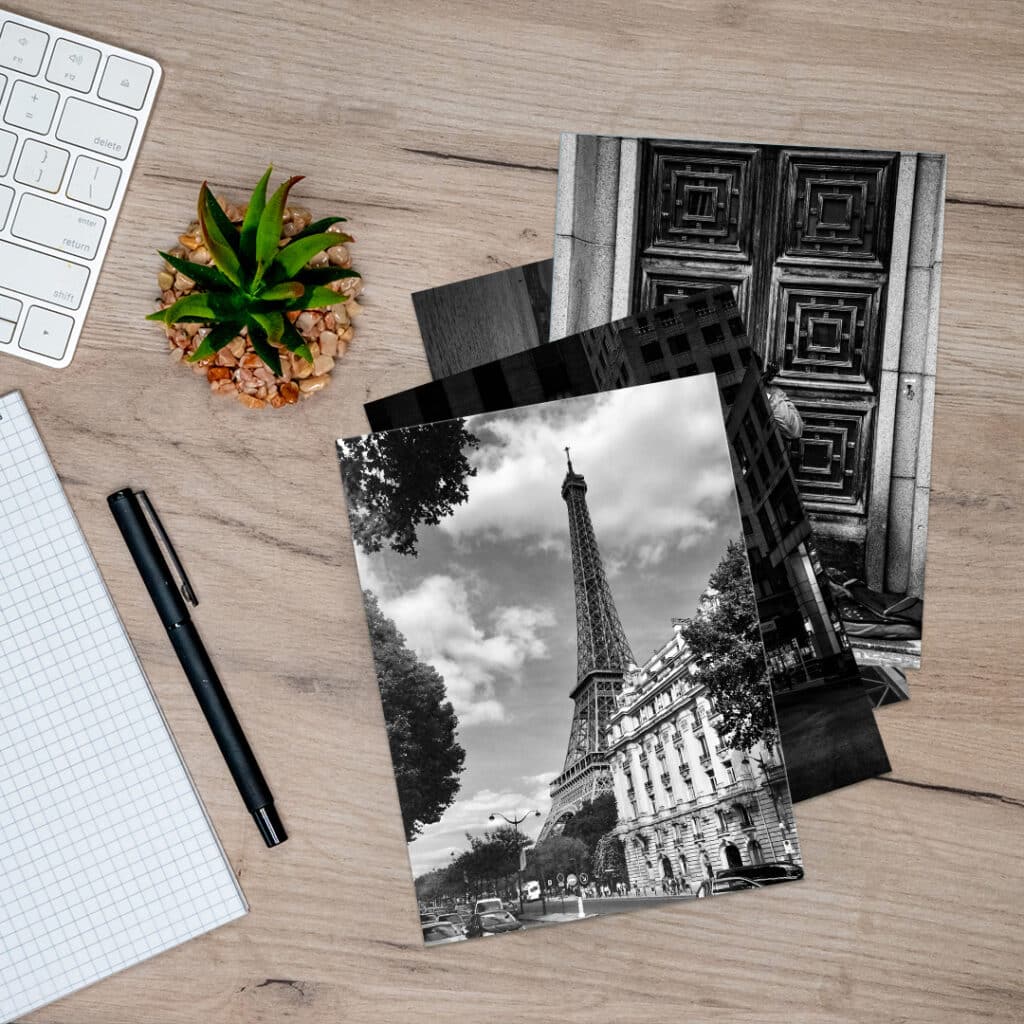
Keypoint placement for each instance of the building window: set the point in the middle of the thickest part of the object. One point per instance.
(712, 781)
(722, 364)
(678, 344)
(712, 333)
(651, 352)
(704, 752)
(729, 770)
(743, 815)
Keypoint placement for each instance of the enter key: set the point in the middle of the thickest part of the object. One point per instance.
(64, 228)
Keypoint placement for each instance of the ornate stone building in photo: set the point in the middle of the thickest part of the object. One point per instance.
(689, 805)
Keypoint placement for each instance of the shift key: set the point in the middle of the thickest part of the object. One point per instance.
(40, 276)
(64, 228)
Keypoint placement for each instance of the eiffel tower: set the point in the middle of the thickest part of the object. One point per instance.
(603, 655)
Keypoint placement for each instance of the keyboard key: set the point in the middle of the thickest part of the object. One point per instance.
(46, 333)
(73, 65)
(10, 310)
(41, 276)
(94, 182)
(41, 166)
(6, 198)
(31, 107)
(125, 82)
(96, 128)
(22, 48)
(8, 140)
(64, 228)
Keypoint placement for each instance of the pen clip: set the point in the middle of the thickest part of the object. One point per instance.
(186, 587)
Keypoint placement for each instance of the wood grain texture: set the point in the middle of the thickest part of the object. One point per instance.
(435, 129)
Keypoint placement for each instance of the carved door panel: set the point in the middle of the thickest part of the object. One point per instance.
(803, 237)
(698, 223)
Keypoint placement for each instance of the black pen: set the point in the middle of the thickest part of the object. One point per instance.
(129, 510)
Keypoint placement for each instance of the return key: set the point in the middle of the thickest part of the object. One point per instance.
(64, 228)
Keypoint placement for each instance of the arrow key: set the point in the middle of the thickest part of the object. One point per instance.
(46, 333)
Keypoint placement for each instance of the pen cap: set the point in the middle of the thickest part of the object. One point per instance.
(144, 549)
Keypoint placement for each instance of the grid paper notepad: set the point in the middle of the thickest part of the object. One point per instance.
(107, 856)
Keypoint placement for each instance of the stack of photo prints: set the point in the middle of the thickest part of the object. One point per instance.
(643, 559)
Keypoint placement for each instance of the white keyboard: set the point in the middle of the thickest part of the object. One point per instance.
(72, 114)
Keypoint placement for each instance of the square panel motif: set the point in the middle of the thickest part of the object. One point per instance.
(827, 332)
(701, 201)
(834, 450)
(837, 209)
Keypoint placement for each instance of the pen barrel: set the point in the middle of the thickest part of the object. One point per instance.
(224, 724)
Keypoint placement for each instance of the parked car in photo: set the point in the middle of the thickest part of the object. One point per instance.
(721, 885)
(493, 922)
(456, 919)
(766, 874)
(438, 933)
(487, 905)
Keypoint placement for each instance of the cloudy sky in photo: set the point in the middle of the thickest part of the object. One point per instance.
(489, 599)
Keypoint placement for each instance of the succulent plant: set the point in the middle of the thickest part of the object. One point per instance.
(255, 281)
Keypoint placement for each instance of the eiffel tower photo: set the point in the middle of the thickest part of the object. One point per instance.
(603, 656)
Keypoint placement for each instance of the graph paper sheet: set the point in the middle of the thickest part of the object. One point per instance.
(106, 853)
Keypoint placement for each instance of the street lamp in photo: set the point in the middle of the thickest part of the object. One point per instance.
(515, 822)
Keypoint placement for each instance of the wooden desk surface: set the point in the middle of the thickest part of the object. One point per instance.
(435, 129)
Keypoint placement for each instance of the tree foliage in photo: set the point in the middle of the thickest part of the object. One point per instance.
(609, 857)
(556, 854)
(725, 638)
(592, 821)
(421, 725)
(399, 480)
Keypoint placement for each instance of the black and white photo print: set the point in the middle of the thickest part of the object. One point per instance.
(835, 257)
(824, 701)
(484, 318)
(567, 644)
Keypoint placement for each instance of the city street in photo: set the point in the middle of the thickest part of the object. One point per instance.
(567, 645)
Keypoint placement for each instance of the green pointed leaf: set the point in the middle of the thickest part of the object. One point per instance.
(324, 275)
(318, 296)
(271, 323)
(197, 304)
(294, 342)
(209, 277)
(322, 225)
(262, 347)
(257, 204)
(268, 232)
(224, 256)
(222, 220)
(295, 255)
(220, 336)
(282, 292)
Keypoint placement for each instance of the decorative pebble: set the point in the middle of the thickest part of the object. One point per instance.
(311, 384)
